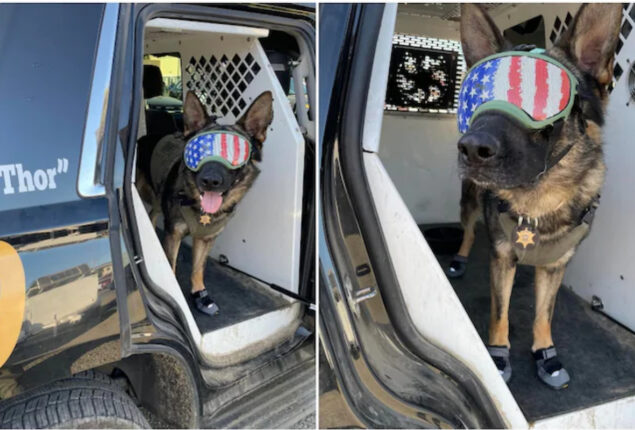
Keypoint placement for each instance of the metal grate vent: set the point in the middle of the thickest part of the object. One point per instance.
(559, 27)
(425, 75)
(622, 62)
(221, 82)
(628, 22)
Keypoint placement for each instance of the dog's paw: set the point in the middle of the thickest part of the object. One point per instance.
(550, 370)
(500, 355)
(457, 267)
(204, 303)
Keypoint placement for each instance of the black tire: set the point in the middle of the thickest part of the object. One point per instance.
(87, 400)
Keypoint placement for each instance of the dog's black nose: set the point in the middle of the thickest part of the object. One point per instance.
(478, 148)
(213, 180)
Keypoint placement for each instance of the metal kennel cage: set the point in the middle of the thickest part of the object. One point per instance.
(226, 66)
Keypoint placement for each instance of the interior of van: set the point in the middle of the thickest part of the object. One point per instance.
(593, 321)
(253, 271)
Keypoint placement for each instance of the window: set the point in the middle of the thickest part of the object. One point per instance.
(425, 75)
(170, 66)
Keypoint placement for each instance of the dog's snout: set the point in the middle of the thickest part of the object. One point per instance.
(478, 148)
(212, 180)
(214, 176)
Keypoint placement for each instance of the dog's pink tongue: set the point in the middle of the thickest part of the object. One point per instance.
(211, 201)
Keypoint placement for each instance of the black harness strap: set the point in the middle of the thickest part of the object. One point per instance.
(586, 215)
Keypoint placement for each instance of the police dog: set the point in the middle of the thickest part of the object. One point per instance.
(537, 189)
(199, 203)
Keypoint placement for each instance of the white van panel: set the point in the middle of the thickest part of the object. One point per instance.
(619, 414)
(603, 265)
(432, 304)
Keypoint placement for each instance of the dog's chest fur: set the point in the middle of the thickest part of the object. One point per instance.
(561, 195)
(190, 214)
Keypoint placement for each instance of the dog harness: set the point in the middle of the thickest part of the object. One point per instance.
(227, 147)
(526, 240)
(531, 87)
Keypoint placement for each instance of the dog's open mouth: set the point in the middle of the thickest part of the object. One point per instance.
(211, 201)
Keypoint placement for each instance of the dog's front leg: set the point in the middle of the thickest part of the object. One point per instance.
(172, 243)
(502, 271)
(469, 215)
(200, 250)
(549, 367)
(548, 280)
(202, 299)
(470, 210)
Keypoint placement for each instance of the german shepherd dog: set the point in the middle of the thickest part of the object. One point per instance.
(547, 179)
(199, 203)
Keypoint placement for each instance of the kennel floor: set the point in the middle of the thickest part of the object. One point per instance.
(239, 297)
(598, 353)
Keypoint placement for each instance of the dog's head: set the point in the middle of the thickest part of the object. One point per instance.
(498, 151)
(214, 177)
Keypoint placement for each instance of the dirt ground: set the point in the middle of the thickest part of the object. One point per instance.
(334, 412)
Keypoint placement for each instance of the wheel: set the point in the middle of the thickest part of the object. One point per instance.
(87, 400)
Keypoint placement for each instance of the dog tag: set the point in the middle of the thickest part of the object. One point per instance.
(205, 219)
(525, 236)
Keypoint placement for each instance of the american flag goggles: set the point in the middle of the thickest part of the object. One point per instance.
(528, 86)
(229, 148)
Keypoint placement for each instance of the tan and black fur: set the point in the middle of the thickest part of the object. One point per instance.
(177, 190)
(518, 171)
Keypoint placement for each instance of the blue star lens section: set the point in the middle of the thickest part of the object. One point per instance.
(477, 88)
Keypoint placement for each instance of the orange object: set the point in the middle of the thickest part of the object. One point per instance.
(12, 299)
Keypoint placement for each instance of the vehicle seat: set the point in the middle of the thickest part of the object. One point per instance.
(158, 123)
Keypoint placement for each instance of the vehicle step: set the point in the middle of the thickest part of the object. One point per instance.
(287, 401)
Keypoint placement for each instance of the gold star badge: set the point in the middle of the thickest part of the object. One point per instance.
(525, 237)
(205, 219)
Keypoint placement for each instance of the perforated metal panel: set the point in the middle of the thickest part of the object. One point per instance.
(559, 26)
(221, 82)
(425, 74)
(622, 63)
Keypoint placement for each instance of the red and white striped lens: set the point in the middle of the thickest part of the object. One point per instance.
(537, 86)
(231, 149)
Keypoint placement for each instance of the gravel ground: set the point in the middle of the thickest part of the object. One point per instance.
(155, 421)
(307, 423)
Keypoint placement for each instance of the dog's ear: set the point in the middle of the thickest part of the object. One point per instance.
(258, 117)
(194, 114)
(479, 35)
(592, 38)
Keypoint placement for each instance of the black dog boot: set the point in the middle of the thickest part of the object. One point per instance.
(500, 355)
(204, 303)
(550, 370)
(457, 267)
